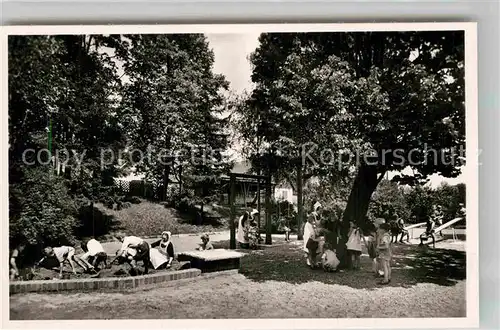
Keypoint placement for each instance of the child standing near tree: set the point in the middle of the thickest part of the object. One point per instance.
(384, 251)
(371, 245)
(354, 245)
(285, 227)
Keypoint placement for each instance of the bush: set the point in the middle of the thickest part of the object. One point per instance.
(387, 201)
(149, 218)
(45, 210)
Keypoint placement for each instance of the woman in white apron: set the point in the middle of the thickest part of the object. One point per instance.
(162, 252)
(243, 225)
(354, 245)
(313, 245)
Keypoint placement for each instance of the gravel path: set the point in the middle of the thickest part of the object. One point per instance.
(238, 297)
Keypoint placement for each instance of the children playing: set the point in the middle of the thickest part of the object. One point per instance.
(438, 216)
(63, 254)
(371, 246)
(401, 229)
(140, 251)
(94, 253)
(284, 225)
(354, 245)
(313, 240)
(429, 232)
(14, 261)
(205, 243)
(384, 251)
(329, 259)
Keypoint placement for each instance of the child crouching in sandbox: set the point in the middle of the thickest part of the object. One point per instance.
(63, 254)
(384, 251)
(134, 249)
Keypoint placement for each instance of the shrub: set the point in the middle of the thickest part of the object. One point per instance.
(45, 210)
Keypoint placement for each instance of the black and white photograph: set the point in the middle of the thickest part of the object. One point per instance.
(242, 172)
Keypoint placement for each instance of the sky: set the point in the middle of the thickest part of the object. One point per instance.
(231, 59)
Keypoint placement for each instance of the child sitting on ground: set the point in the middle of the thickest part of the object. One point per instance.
(329, 259)
(384, 251)
(205, 243)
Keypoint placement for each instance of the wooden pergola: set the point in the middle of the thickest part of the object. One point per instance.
(260, 180)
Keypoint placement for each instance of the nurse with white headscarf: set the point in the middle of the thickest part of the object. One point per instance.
(243, 226)
(165, 247)
(312, 242)
(309, 225)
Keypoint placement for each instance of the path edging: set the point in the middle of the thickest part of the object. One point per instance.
(128, 282)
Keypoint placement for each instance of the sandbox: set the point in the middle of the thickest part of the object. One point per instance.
(126, 282)
(189, 265)
(116, 276)
(212, 260)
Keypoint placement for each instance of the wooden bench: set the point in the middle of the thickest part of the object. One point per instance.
(212, 260)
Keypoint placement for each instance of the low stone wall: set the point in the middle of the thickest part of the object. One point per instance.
(101, 283)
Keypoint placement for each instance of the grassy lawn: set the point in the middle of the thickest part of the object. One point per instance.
(275, 283)
(149, 219)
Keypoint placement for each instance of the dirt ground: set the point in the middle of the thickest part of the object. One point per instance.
(275, 283)
(239, 297)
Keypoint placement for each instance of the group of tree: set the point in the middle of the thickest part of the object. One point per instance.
(357, 93)
(391, 200)
(103, 95)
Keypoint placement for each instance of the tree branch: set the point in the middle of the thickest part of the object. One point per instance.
(382, 174)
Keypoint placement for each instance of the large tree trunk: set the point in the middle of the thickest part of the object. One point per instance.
(300, 204)
(365, 183)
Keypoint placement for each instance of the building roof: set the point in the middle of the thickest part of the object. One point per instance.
(242, 167)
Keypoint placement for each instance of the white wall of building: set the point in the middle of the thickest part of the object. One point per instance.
(285, 194)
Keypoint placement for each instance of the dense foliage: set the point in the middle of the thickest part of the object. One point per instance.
(153, 104)
(412, 204)
(83, 104)
(374, 102)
